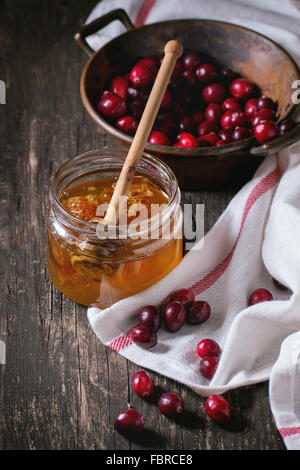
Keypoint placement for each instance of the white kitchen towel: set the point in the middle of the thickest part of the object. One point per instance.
(255, 239)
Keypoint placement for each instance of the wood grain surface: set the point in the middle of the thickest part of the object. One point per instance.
(61, 388)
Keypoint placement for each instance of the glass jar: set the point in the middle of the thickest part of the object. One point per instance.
(99, 272)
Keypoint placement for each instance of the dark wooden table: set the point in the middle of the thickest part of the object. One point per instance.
(61, 388)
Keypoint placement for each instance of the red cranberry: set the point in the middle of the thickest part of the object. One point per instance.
(119, 85)
(140, 75)
(208, 366)
(170, 404)
(229, 75)
(264, 102)
(150, 63)
(285, 126)
(238, 118)
(240, 133)
(142, 384)
(137, 108)
(143, 337)
(167, 100)
(177, 69)
(226, 119)
(232, 104)
(214, 93)
(213, 112)
(208, 347)
(218, 409)
(251, 107)
(190, 77)
(207, 73)
(174, 316)
(198, 116)
(188, 140)
(184, 296)
(191, 60)
(127, 124)
(151, 317)
(241, 88)
(186, 124)
(129, 422)
(159, 138)
(211, 137)
(111, 105)
(199, 312)
(225, 134)
(260, 295)
(263, 115)
(265, 131)
(207, 126)
(133, 92)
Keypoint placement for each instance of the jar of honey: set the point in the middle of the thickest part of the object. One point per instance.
(98, 270)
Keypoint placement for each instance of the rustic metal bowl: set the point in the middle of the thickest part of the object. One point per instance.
(252, 55)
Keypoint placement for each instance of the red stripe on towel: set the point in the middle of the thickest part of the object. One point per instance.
(289, 431)
(144, 11)
(267, 183)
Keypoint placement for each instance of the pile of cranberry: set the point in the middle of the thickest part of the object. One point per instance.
(203, 105)
(178, 308)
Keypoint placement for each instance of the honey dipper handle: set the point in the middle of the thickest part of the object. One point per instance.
(173, 50)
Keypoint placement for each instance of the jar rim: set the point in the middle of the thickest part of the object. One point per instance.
(118, 155)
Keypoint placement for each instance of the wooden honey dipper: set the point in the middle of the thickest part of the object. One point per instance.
(173, 50)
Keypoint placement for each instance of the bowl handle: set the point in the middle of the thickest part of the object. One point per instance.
(100, 23)
(277, 144)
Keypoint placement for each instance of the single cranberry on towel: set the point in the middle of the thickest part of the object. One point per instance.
(142, 384)
(218, 409)
(170, 404)
(151, 317)
(129, 422)
(184, 296)
(260, 295)
(174, 316)
(144, 337)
